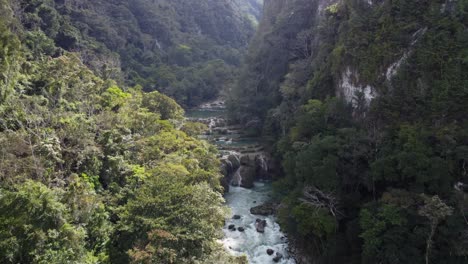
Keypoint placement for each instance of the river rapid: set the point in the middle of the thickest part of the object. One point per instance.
(241, 236)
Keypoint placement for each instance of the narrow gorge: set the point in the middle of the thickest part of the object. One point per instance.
(251, 228)
(234, 131)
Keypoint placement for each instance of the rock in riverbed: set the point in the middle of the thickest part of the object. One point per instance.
(260, 225)
(265, 209)
(278, 257)
(248, 176)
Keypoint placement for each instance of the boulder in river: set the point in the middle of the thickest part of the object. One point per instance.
(248, 176)
(231, 227)
(278, 257)
(241, 229)
(265, 209)
(236, 217)
(260, 225)
(270, 251)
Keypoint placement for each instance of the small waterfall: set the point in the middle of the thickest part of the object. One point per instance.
(263, 162)
(228, 163)
(237, 178)
(236, 156)
(211, 124)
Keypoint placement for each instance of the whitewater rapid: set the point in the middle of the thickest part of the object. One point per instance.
(250, 242)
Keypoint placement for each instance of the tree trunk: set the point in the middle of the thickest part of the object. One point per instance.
(429, 240)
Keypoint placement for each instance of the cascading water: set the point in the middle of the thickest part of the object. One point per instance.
(263, 164)
(211, 125)
(250, 242)
(241, 236)
(237, 178)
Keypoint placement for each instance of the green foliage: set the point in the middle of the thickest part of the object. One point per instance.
(318, 164)
(136, 43)
(36, 228)
(114, 98)
(313, 222)
(380, 227)
(164, 227)
(332, 9)
(411, 161)
(93, 172)
(10, 61)
(167, 108)
(194, 129)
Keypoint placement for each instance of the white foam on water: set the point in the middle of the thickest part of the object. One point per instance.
(250, 242)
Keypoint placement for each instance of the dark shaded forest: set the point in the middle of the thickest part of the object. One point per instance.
(365, 103)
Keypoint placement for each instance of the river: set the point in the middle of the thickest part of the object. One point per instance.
(237, 151)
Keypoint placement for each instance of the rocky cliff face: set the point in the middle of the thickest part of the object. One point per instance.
(329, 48)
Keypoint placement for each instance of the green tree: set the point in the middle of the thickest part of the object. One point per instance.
(169, 221)
(436, 211)
(10, 61)
(35, 227)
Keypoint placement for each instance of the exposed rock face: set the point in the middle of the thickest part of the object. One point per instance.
(246, 161)
(350, 86)
(225, 183)
(261, 167)
(252, 167)
(264, 209)
(224, 168)
(229, 166)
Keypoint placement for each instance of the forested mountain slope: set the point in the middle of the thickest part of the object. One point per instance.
(92, 171)
(186, 49)
(367, 104)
